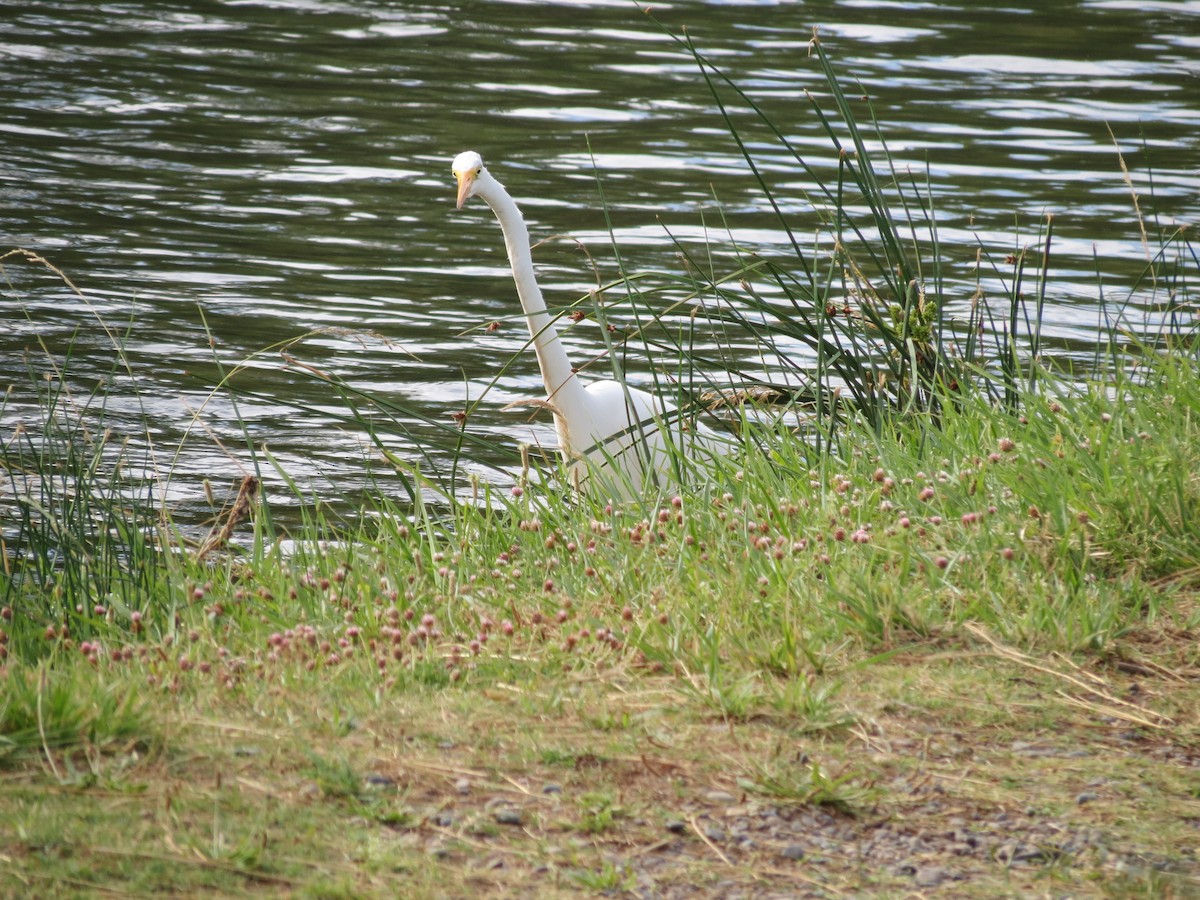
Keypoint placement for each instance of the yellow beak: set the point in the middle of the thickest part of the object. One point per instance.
(465, 180)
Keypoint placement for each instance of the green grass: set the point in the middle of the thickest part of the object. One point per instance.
(46, 711)
(941, 610)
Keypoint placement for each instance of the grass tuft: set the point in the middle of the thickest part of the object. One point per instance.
(44, 711)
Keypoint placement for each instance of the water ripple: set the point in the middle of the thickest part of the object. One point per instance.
(262, 189)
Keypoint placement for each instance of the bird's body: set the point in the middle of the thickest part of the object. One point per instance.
(615, 426)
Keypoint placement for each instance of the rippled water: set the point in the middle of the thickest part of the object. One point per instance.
(223, 179)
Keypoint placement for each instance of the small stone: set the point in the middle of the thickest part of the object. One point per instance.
(719, 797)
(1027, 748)
(463, 786)
(444, 819)
(713, 833)
(509, 816)
(551, 788)
(676, 826)
(792, 851)
(1015, 852)
(930, 876)
(1086, 797)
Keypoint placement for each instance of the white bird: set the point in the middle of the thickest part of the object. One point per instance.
(609, 423)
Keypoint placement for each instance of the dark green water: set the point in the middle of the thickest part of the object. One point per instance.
(221, 178)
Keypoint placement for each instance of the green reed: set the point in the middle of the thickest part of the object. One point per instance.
(868, 300)
(83, 524)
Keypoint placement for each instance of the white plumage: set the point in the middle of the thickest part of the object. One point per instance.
(611, 424)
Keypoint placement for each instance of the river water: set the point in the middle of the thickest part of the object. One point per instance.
(262, 189)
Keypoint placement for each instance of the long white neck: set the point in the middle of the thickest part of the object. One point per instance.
(563, 389)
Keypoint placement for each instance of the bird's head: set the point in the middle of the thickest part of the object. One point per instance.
(467, 167)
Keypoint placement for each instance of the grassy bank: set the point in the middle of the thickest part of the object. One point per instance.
(961, 660)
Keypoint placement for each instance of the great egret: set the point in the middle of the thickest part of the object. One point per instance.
(607, 422)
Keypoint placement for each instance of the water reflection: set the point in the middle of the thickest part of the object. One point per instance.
(223, 182)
